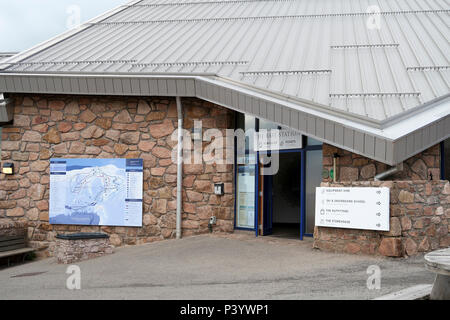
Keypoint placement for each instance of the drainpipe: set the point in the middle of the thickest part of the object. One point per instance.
(6, 109)
(179, 167)
(335, 158)
(391, 171)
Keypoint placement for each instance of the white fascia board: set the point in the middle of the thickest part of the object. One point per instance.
(419, 120)
(303, 108)
(392, 132)
(311, 104)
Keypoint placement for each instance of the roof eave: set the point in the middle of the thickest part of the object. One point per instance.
(382, 144)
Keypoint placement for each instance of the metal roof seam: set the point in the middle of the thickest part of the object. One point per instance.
(265, 17)
(234, 49)
(217, 40)
(432, 38)
(160, 37)
(365, 45)
(276, 59)
(205, 2)
(412, 82)
(417, 58)
(360, 69)
(374, 94)
(424, 68)
(286, 71)
(249, 45)
(70, 62)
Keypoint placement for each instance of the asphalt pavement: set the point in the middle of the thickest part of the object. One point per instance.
(216, 267)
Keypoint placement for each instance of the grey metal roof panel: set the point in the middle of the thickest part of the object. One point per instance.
(317, 53)
(319, 50)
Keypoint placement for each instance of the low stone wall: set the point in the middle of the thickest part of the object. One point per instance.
(419, 221)
(70, 251)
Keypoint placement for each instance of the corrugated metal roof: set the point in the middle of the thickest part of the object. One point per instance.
(320, 51)
(310, 65)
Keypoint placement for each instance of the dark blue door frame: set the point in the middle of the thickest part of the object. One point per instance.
(257, 168)
(302, 186)
(257, 194)
(302, 190)
(267, 205)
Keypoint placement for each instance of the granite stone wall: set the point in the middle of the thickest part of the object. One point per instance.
(419, 221)
(49, 126)
(70, 251)
(354, 167)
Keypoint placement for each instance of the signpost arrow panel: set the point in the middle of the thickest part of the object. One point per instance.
(353, 208)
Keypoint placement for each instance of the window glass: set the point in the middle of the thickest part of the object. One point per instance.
(264, 124)
(245, 172)
(313, 142)
(446, 159)
(245, 153)
(313, 180)
(245, 202)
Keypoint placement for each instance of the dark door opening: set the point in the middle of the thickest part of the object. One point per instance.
(282, 211)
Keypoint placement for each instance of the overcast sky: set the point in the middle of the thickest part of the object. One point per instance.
(25, 23)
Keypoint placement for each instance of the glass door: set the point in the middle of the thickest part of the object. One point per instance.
(245, 175)
(282, 197)
(245, 201)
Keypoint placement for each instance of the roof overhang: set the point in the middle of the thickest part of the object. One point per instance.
(389, 142)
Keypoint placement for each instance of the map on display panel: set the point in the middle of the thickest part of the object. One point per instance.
(106, 192)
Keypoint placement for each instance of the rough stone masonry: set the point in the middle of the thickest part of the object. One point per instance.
(49, 126)
(70, 251)
(419, 221)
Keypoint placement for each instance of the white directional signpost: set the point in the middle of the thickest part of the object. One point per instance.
(353, 208)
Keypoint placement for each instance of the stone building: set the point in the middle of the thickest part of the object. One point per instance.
(350, 108)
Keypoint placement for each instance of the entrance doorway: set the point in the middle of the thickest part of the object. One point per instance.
(282, 198)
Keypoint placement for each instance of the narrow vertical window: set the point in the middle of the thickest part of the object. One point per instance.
(245, 173)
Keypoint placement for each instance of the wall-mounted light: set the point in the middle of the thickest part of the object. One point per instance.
(8, 168)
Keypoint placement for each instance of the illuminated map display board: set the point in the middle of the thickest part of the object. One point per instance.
(106, 192)
(354, 208)
(245, 201)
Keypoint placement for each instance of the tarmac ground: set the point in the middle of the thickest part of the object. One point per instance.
(237, 266)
